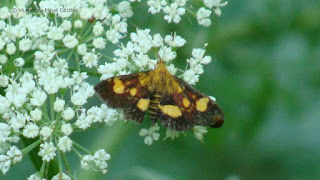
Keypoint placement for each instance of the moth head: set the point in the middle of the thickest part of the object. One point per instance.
(160, 63)
(218, 118)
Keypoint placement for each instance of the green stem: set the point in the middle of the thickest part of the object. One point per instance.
(66, 163)
(52, 100)
(32, 149)
(81, 147)
(59, 157)
(29, 148)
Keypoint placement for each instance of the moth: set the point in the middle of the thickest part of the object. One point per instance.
(162, 96)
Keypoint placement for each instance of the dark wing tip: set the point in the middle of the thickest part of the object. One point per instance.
(218, 121)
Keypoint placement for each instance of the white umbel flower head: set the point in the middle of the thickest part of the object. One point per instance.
(36, 114)
(47, 151)
(66, 129)
(173, 13)
(68, 114)
(46, 132)
(70, 41)
(150, 134)
(14, 154)
(31, 130)
(65, 144)
(203, 15)
(58, 105)
(61, 176)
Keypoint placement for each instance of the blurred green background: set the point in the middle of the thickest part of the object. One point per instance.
(265, 75)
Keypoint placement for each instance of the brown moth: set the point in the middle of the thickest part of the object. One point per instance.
(165, 97)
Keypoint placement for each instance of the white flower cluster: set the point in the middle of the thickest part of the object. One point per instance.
(150, 134)
(98, 161)
(42, 96)
(135, 53)
(175, 9)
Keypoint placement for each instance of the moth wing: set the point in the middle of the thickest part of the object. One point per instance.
(128, 92)
(182, 107)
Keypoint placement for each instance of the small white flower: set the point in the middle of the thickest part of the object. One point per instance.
(5, 132)
(66, 25)
(38, 98)
(31, 130)
(124, 9)
(150, 134)
(36, 114)
(100, 157)
(190, 77)
(78, 24)
(25, 44)
(61, 176)
(55, 33)
(86, 13)
(171, 134)
(180, 2)
(199, 131)
(172, 69)
(198, 54)
(156, 5)
(3, 59)
(4, 12)
(83, 121)
(166, 54)
(68, 114)
(203, 15)
(65, 144)
(14, 154)
(99, 43)
(157, 40)
(58, 105)
(97, 29)
(82, 49)
(173, 13)
(46, 132)
(47, 151)
(113, 35)
(215, 4)
(175, 40)
(5, 163)
(35, 176)
(85, 161)
(19, 62)
(11, 48)
(4, 80)
(70, 41)
(66, 129)
(90, 59)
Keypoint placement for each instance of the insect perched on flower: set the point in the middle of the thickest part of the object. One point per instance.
(165, 97)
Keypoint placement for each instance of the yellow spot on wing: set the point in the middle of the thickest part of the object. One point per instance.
(171, 110)
(186, 102)
(133, 91)
(202, 104)
(118, 86)
(143, 104)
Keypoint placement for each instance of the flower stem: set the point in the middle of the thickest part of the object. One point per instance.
(81, 147)
(27, 149)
